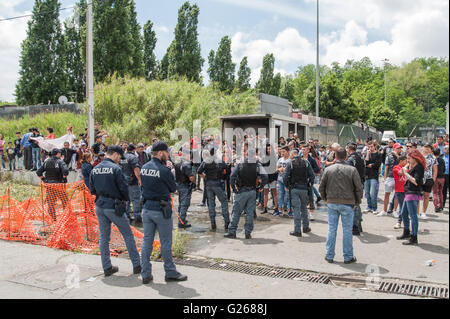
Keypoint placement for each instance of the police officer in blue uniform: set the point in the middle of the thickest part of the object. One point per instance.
(131, 169)
(298, 177)
(185, 181)
(157, 185)
(244, 182)
(54, 171)
(108, 184)
(213, 169)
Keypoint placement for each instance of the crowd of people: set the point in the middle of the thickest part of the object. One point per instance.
(410, 173)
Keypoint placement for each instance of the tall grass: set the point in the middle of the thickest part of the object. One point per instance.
(137, 110)
(58, 121)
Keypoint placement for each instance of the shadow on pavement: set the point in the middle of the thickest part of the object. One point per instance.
(424, 232)
(319, 221)
(362, 268)
(174, 290)
(260, 241)
(433, 220)
(131, 281)
(434, 248)
(367, 238)
(312, 238)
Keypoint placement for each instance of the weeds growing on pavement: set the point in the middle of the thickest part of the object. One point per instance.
(18, 190)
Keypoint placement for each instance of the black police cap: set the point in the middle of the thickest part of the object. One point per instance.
(56, 151)
(115, 149)
(160, 146)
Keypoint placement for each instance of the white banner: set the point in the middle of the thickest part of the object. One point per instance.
(49, 145)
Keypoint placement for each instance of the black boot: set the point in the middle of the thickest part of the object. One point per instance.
(226, 226)
(360, 227)
(184, 225)
(356, 231)
(406, 235)
(412, 241)
(213, 225)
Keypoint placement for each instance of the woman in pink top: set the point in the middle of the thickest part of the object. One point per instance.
(2, 150)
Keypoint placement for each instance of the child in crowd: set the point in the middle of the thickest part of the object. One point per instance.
(10, 152)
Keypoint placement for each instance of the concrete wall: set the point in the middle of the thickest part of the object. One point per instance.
(11, 112)
(31, 177)
(274, 104)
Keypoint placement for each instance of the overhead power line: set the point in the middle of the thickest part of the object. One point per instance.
(29, 15)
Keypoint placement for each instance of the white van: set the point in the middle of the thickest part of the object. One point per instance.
(388, 135)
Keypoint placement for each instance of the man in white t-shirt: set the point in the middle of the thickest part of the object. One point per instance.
(283, 195)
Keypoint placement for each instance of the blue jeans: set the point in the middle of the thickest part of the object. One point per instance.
(400, 198)
(212, 192)
(371, 190)
(244, 200)
(409, 210)
(358, 216)
(299, 202)
(1, 159)
(260, 197)
(316, 192)
(12, 164)
(347, 214)
(134, 192)
(36, 153)
(105, 218)
(184, 200)
(283, 196)
(153, 221)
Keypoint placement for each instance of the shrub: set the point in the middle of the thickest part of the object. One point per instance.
(136, 109)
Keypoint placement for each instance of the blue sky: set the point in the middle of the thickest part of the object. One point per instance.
(399, 30)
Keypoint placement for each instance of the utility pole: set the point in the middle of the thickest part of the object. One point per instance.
(90, 74)
(317, 64)
(385, 82)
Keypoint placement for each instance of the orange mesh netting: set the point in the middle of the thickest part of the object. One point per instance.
(60, 216)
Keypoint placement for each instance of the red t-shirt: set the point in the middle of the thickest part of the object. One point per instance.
(51, 137)
(400, 181)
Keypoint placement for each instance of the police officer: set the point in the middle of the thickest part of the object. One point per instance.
(354, 159)
(298, 177)
(185, 181)
(244, 180)
(56, 172)
(110, 188)
(157, 185)
(213, 169)
(131, 169)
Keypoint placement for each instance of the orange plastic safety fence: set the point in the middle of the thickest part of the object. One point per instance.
(60, 216)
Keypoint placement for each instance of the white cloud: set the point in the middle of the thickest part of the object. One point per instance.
(272, 7)
(414, 34)
(162, 29)
(12, 33)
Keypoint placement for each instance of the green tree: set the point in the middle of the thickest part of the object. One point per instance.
(163, 66)
(184, 55)
(114, 46)
(276, 85)
(264, 84)
(212, 71)
(75, 64)
(149, 54)
(42, 61)
(335, 100)
(244, 73)
(287, 88)
(221, 67)
(383, 119)
(137, 67)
